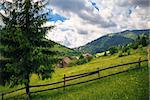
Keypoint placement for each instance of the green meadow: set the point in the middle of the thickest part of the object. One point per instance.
(132, 85)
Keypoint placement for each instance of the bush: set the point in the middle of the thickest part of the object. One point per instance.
(140, 46)
(89, 58)
(120, 54)
(78, 62)
(81, 61)
(105, 53)
(125, 49)
(135, 45)
(128, 52)
(81, 56)
(124, 53)
(113, 50)
(72, 63)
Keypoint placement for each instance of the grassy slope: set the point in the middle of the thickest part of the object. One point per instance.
(127, 86)
(60, 48)
(132, 85)
(64, 51)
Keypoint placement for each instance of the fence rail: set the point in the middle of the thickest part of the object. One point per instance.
(77, 76)
(82, 81)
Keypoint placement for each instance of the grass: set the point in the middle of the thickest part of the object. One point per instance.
(64, 51)
(127, 86)
(131, 85)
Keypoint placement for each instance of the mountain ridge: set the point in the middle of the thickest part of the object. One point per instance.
(103, 43)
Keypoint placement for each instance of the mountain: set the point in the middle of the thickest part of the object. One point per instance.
(113, 39)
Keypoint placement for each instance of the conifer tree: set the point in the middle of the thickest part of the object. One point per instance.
(24, 46)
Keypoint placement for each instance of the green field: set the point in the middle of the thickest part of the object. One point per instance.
(64, 51)
(132, 85)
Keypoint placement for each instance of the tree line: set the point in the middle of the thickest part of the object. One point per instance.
(141, 41)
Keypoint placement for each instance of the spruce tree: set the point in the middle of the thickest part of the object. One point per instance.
(23, 43)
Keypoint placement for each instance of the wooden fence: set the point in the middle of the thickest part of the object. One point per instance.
(77, 76)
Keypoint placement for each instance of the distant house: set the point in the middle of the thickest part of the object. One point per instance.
(64, 62)
(87, 55)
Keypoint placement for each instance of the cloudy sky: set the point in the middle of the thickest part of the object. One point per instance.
(81, 21)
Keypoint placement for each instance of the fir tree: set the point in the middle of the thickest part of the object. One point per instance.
(25, 48)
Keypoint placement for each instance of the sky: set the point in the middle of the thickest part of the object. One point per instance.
(78, 22)
(87, 20)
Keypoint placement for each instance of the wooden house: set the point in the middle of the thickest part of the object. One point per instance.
(64, 62)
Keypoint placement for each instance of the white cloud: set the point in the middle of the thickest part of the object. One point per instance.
(74, 32)
(86, 24)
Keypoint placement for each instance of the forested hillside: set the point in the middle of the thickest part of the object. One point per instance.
(114, 39)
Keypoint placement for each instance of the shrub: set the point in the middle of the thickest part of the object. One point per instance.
(120, 54)
(135, 45)
(81, 56)
(128, 52)
(105, 53)
(81, 61)
(78, 62)
(72, 63)
(89, 58)
(140, 46)
(113, 50)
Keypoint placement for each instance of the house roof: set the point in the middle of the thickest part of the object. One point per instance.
(66, 59)
(87, 54)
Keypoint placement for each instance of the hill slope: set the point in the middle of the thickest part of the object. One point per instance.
(64, 51)
(132, 85)
(114, 39)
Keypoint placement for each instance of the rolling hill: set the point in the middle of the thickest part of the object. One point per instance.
(65, 51)
(113, 39)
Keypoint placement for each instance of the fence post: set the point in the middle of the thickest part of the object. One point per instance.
(64, 81)
(140, 62)
(2, 96)
(98, 72)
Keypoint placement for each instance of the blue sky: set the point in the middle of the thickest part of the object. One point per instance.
(56, 17)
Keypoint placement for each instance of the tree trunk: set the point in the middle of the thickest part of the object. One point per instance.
(28, 88)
